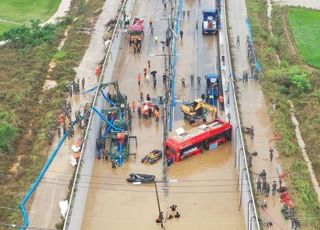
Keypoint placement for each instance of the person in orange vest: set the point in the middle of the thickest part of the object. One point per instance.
(157, 114)
(133, 105)
(98, 70)
(221, 101)
(145, 72)
(139, 78)
(61, 119)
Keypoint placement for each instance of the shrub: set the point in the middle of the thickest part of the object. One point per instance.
(27, 36)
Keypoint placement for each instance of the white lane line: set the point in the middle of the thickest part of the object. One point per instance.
(149, 34)
(196, 52)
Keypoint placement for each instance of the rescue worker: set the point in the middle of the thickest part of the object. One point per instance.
(83, 82)
(133, 105)
(139, 110)
(221, 101)
(264, 186)
(160, 218)
(192, 79)
(263, 174)
(271, 154)
(145, 72)
(251, 132)
(139, 79)
(238, 40)
(183, 81)
(164, 78)
(157, 115)
(154, 83)
(173, 207)
(181, 34)
(267, 190)
(98, 70)
(198, 81)
(274, 188)
(258, 186)
(149, 64)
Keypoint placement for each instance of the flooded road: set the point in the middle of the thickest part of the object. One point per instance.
(204, 187)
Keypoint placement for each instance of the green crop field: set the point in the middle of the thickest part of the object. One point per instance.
(306, 31)
(15, 12)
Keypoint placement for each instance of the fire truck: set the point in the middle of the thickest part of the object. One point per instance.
(198, 139)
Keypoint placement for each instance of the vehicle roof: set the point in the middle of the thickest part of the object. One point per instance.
(210, 11)
(212, 75)
(197, 130)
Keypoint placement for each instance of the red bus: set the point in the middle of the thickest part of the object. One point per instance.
(198, 139)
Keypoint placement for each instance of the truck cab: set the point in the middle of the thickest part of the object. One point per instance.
(210, 21)
(212, 88)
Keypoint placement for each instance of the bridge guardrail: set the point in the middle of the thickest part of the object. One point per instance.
(232, 113)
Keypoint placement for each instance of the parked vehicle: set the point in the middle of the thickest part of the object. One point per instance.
(212, 88)
(210, 21)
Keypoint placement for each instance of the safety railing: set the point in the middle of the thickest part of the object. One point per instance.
(246, 201)
(78, 196)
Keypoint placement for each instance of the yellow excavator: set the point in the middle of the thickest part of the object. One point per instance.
(196, 111)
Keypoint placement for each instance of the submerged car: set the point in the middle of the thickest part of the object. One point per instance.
(143, 178)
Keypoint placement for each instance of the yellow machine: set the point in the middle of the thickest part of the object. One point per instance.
(197, 110)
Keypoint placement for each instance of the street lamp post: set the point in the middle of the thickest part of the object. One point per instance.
(159, 209)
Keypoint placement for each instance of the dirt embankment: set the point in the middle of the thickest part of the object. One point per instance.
(22, 76)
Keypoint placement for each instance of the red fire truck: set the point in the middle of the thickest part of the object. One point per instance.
(198, 139)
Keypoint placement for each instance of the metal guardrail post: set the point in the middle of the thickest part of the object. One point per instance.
(241, 190)
(248, 210)
(235, 145)
(251, 218)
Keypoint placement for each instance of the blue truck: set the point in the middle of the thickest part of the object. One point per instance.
(212, 88)
(210, 21)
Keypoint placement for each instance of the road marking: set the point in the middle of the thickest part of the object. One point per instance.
(147, 46)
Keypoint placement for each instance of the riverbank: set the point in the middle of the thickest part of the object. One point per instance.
(289, 79)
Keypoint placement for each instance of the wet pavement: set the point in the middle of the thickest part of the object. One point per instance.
(205, 186)
(254, 113)
(44, 209)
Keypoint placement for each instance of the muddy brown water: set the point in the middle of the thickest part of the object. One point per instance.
(206, 187)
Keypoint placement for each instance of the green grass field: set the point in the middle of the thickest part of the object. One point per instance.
(306, 31)
(21, 11)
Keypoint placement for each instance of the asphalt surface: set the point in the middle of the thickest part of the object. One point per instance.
(205, 186)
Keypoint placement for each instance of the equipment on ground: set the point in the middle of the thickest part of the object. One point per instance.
(197, 109)
(114, 137)
(212, 88)
(203, 137)
(153, 157)
(143, 178)
(210, 21)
